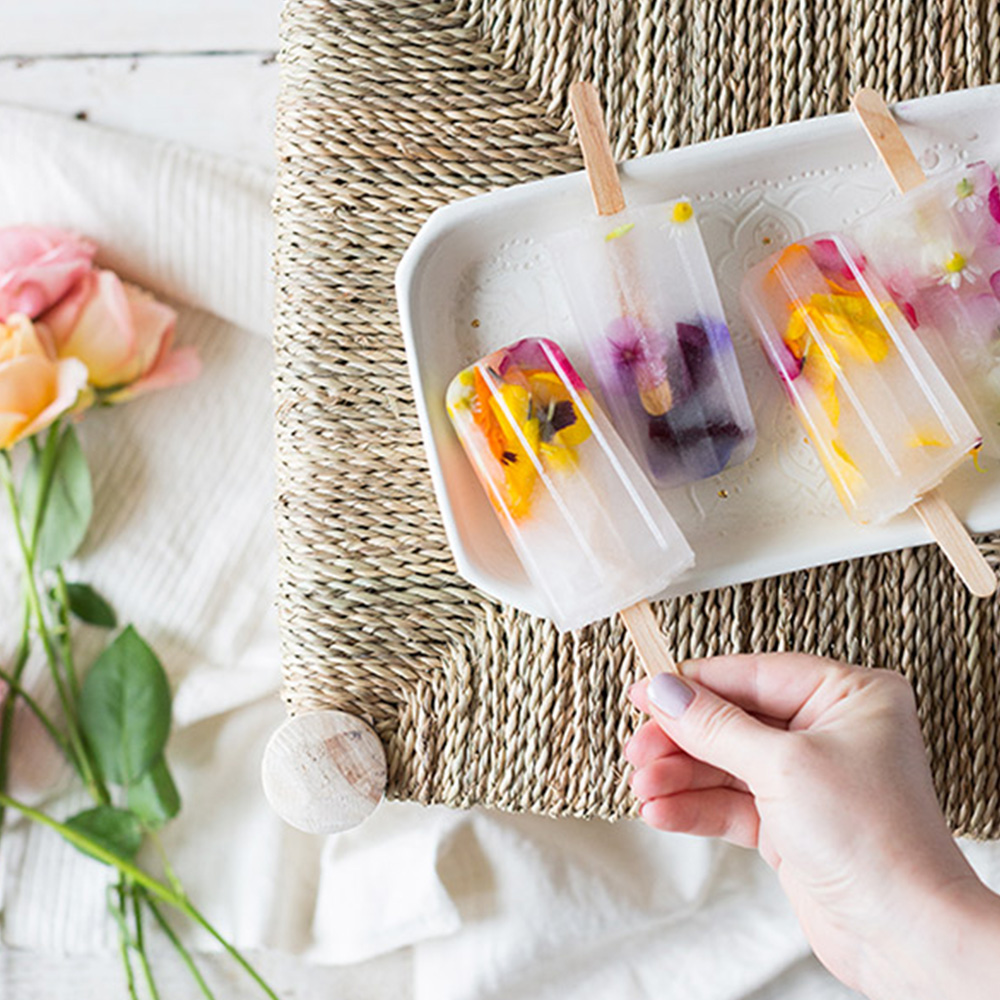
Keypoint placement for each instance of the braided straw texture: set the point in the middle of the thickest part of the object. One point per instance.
(391, 108)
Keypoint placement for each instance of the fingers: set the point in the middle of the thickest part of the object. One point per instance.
(773, 684)
(649, 743)
(678, 773)
(708, 727)
(714, 812)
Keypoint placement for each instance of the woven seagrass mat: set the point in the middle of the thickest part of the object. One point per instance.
(391, 108)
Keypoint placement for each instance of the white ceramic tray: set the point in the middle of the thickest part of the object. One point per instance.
(476, 277)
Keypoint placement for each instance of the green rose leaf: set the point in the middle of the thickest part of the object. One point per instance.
(116, 830)
(68, 503)
(88, 605)
(154, 798)
(125, 709)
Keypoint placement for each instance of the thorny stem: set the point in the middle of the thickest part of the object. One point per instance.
(39, 713)
(133, 881)
(140, 942)
(117, 908)
(168, 870)
(179, 946)
(80, 758)
(7, 718)
(176, 899)
(47, 465)
(66, 646)
(186, 908)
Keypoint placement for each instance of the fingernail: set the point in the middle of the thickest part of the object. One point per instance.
(670, 694)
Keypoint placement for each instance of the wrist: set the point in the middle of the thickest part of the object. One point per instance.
(950, 950)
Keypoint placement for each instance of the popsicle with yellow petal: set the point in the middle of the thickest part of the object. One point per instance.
(884, 421)
(645, 305)
(590, 530)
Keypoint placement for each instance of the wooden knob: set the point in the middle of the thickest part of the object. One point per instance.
(324, 772)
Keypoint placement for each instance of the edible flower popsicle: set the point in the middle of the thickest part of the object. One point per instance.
(938, 249)
(644, 300)
(588, 527)
(643, 297)
(884, 421)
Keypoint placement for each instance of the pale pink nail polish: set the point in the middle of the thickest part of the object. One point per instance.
(670, 694)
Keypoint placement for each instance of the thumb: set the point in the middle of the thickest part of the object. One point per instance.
(708, 727)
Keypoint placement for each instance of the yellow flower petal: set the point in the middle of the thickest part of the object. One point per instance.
(822, 376)
(854, 323)
(619, 231)
(844, 473)
(929, 438)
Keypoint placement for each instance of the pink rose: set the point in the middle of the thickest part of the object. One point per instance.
(38, 266)
(123, 336)
(35, 387)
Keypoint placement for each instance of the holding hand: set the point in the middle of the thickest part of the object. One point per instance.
(822, 768)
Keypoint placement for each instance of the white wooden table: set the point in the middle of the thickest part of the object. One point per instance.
(202, 72)
(199, 71)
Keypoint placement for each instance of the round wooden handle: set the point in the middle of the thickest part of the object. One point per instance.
(324, 772)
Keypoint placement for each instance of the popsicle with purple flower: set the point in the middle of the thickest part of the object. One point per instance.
(644, 301)
(588, 527)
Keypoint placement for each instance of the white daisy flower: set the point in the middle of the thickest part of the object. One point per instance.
(681, 212)
(958, 268)
(966, 199)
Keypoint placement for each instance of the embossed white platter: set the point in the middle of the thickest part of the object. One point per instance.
(477, 277)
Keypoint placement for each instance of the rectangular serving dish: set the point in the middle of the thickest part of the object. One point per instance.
(477, 276)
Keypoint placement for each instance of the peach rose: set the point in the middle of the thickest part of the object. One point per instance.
(123, 336)
(38, 266)
(35, 387)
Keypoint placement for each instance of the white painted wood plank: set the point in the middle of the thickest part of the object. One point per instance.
(224, 104)
(85, 27)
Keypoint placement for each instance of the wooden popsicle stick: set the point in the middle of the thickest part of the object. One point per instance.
(602, 173)
(889, 142)
(650, 643)
(956, 543)
(941, 521)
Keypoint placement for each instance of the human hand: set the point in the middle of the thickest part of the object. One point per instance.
(822, 768)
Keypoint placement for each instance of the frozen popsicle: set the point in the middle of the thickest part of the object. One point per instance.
(644, 301)
(587, 525)
(938, 250)
(884, 421)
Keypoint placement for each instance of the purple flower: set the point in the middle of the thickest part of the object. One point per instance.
(632, 349)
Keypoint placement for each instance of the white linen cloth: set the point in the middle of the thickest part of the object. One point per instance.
(473, 905)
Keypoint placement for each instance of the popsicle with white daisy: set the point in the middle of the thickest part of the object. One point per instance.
(644, 301)
(882, 416)
(938, 249)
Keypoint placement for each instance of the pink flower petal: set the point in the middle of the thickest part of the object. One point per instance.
(153, 323)
(39, 266)
(95, 325)
(994, 202)
(176, 368)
